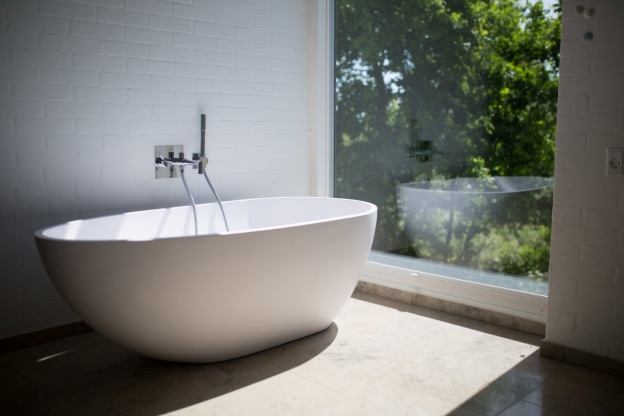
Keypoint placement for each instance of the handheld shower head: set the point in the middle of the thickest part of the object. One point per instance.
(202, 148)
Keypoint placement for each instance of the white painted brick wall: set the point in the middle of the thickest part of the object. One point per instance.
(89, 87)
(586, 294)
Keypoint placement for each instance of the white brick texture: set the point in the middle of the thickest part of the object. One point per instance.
(586, 291)
(89, 87)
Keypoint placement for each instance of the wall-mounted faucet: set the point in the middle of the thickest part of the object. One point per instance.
(168, 165)
(171, 161)
(170, 157)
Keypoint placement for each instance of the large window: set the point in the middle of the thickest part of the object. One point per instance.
(445, 116)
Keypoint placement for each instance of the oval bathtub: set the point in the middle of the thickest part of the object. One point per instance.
(146, 281)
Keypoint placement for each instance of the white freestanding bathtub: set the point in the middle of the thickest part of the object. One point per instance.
(146, 281)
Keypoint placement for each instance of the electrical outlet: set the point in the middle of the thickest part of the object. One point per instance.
(615, 158)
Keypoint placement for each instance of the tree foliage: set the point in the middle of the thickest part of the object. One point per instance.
(472, 82)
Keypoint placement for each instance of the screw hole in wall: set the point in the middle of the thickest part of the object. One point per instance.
(588, 13)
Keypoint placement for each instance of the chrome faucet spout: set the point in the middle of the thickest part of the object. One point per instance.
(191, 199)
(169, 162)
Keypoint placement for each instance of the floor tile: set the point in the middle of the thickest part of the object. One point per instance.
(573, 390)
(522, 408)
(379, 357)
(509, 388)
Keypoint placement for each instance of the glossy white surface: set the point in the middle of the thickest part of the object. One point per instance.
(143, 279)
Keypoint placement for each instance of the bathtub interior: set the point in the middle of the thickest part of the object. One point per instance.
(242, 215)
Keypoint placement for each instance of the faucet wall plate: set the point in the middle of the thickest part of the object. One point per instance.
(164, 150)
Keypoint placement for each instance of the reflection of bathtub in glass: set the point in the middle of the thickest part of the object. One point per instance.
(456, 221)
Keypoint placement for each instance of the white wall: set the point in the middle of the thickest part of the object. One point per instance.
(586, 295)
(89, 87)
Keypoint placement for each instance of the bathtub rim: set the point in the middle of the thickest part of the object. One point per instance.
(372, 208)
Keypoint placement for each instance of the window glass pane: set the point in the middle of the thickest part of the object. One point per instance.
(445, 118)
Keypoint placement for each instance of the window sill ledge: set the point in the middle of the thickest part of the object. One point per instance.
(508, 308)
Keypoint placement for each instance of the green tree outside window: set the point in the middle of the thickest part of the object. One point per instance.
(439, 89)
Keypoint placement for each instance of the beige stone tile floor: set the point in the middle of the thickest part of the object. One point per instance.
(379, 357)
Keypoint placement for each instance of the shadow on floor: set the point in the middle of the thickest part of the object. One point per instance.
(91, 375)
(540, 386)
(508, 389)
